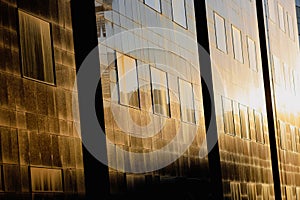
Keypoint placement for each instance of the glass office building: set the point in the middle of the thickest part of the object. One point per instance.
(195, 99)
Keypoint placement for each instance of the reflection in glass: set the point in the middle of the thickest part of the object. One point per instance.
(155, 4)
(235, 189)
(281, 17)
(282, 130)
(187, 101)
(237, 44)
(128, 80)
(228, 116)
(252, 54)
(258, 127)
(179, 12)
(278, 72)
(271, 9)
(160, 92)
(220, 33)
(244, 122)
(36, 48)
(291, 26)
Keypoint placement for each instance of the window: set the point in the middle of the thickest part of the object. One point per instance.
(271, 7)
(228, 116)
(160, 95)
(187, 101)
(251, 191)
(128, 80)
(36, 48)
(265, 192)
(235, 189)
(237, 44)
(46, 180)
(155, 4)
(282, 131)
(259, 127)
(179, 12)
(252, 54)
(289, 191)
(281, 17)
(298, 193)
(293, 139)
(291, 26)
(278, 72)
(244, 121)
(220, 33)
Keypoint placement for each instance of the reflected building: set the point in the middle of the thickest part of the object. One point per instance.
(151, 90)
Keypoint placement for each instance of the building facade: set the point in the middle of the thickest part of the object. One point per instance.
(41, 154)
(196, 99)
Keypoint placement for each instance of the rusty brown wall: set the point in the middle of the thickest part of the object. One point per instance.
(37, 125)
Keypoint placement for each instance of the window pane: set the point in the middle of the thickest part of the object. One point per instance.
(36, 48)
(187, 101)
(271, 6)
(281, 17)
(237, 44)
(228, 116)
(128, 81)
(282, 131)
(293, 138)
(155, 4)
(160, 94)
(278, 71)
(252, 54)
(179, 12)
(244, 122)
(235, 189)
(251, 190)
(46, 180)
(291, 26)
(259, 127)
(265, 192)
(220, 33)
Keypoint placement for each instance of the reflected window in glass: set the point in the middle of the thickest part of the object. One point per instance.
(272, 13)
(252, 54)
(291, 26)
(244, 121)
(160, 93)
(179, 12)
(281, 17)
(155, 4)
(187, 101)
(282, 132)
(228, 116)
(36, 48)
(128, 80)
(259, 127)
(237, 44)
(220, 32)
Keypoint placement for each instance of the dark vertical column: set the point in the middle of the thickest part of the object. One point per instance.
(269, 95)
(85, 40)
(208, 99)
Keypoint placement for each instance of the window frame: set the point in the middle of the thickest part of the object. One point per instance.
(54, 83)
(247, 120)
(241, 44)
(256, 114)
(223, 116)
(185, 15)
(118, 81)
(255, 53)
(168, 92)
(279, 17)
(160, 6)
(216, 35)
(180, 100)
